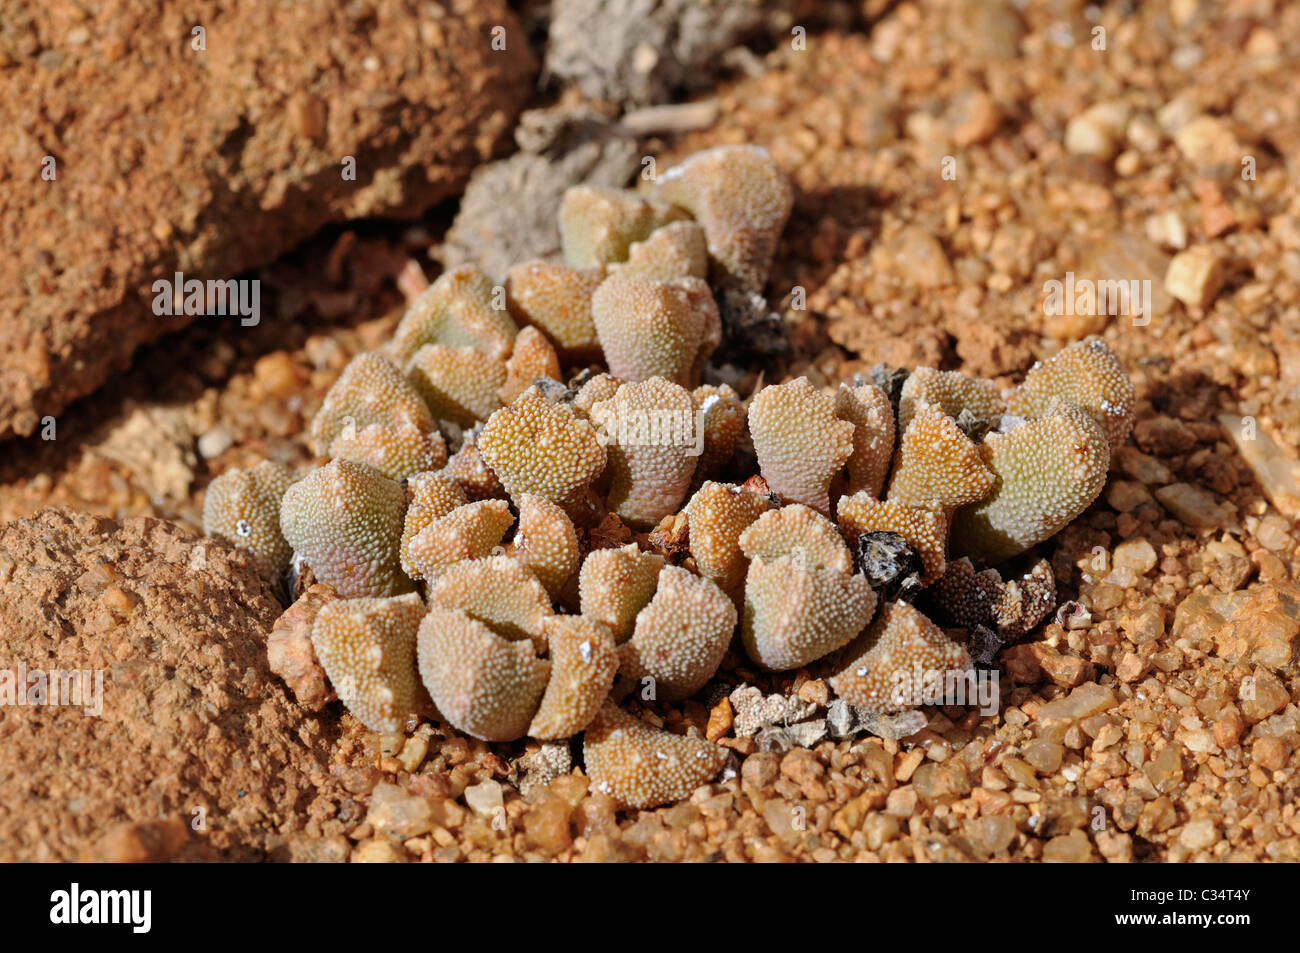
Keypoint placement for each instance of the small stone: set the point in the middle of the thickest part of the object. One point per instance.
(1208, 140)
(378, 851)
(984, 645)
(486, 798)
(1269, 752)
(1196, 275)
(919, 258)
(807, 733)
(397, 815)
(1273, 533)
(1106, 596)
(1262, 696)
(1277, 473)
(413, 752)
(1195, 506)
(720, 721)
(1166, 436)
(1198, 834)
(815, 691)
(1087, 699)
(1165, 770)
(1167, 228)
(215, 442)
(290, 654)
(1136, 554)
(1228, 728)
(990, 835)
(1126, 495)
(759, 770)
(1131, 667)
(546, 827)
(891, 727)
(1141, 467)
(1097, 130)
(1067, 671)
(1145, 624)
(1045, 756)
(1071, 848)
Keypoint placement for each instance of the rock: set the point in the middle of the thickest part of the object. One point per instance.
(1144, 624)
(990, 835)
(1146, 469)
(216, 441)
(1044, 755)
(1127, 495)
(891, 727)
(191, 720)
(1196, 275)
(1263, 696)
(1165, 436)
(1208, 141)
(720, 720)
(485, 798)
(157, 446)
(807, 733)
(1135, 554)
(1278, 474)
(1257, 625)
(289, 651)
(1098, 130)
(888, 562)
(919, 259)
(1195, 506)
(546, 827)
(303, 849)
(377, 851)
(211, 162)
(397, 815)
(1071, 848)
(134, 842)
(1088, 699)
(1165, 770)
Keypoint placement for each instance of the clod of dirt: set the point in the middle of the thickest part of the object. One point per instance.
(176, 742)
(291, 116)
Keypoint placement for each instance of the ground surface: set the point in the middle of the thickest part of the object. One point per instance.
(1162, 728)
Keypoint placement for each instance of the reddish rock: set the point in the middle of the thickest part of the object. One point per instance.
(191, 745)
(289, 651)
(212, 161)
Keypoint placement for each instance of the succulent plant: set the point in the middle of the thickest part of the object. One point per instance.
(741, 198)
(373, 415)
(367, 647)
(460, 309)
(640, 766)
(801, 444)
(650, 328)
(598, 224)
(243, 508)
(345, 519)
(582, 466)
